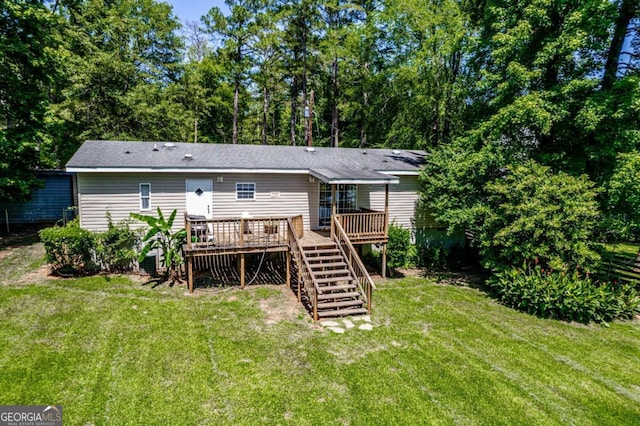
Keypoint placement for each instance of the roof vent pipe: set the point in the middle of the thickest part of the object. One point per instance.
(188, 157)
(155, 146)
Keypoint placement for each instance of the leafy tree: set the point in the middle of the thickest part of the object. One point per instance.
(236, 33)
(533, 214)
(29, 38)
(624, 190)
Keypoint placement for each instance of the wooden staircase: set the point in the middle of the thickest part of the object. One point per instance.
(339, 295)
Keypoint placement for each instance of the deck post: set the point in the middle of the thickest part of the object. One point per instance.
(333, 208)
(386, 210)
(288, 269)
(242, 277)
(190, 273)
(384, 260)
(188, 228)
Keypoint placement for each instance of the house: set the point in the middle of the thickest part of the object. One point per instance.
(239, 199)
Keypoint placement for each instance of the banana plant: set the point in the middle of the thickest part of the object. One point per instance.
(161, 235)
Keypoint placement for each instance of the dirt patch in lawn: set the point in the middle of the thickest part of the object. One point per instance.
(23, 263)
(284, 307)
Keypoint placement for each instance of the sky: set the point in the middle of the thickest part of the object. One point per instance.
(192, 10)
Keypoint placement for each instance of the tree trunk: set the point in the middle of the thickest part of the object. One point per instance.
(304, 87)
(236, 95)
(236, 91)
(365, 109)
(294, 107)
(334, 113)
(265, 114)
(626, 13)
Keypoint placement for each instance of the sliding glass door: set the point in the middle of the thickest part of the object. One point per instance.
(346, 201)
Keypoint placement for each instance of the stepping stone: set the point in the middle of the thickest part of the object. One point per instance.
(366, 327)
(329, 324)
(348, 324)
(338, 330)
(365, 318)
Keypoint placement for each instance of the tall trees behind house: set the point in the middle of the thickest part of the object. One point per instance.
(555, 81)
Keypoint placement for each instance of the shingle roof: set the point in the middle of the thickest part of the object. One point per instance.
(96, 155)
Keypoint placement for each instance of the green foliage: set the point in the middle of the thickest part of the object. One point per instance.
(161, 236)
(623, 190)
(532, 213)
(564, 296)
(433, 255)
(399, 247)
(517, 213)
(116, 248)
(69, 249)
(28, 68)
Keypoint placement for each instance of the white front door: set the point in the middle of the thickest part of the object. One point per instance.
(199, 197)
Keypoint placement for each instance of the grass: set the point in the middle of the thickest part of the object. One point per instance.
(112, 351)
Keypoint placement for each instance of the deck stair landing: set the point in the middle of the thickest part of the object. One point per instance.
(340, 295)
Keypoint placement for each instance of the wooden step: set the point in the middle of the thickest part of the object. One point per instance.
(322, 254)
(332, 272)
(338, 279)
(340, 304)
(342, 312)
(342, 295)
(320, 247)
(328, 265)
(313, 260)
(339, 287)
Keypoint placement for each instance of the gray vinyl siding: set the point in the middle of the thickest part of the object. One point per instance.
(403, 200)
(276, 195)
(118, 194)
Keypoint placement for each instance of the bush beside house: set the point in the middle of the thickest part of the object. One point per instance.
(71, 250)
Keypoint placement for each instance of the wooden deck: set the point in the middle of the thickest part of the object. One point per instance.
(329, 275)
(313, 237)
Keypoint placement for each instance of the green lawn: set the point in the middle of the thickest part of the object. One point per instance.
(112, 351)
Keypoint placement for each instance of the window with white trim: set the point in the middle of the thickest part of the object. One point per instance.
(145, 196)
(245, 191)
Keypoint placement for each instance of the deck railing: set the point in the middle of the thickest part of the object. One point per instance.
(239, 232)
(356, 267)
(306, 280)
(366, 225)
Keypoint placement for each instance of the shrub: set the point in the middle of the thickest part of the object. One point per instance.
(115, 248)
(400, 251)
(69, 249)
(565, 296)
(533, 213)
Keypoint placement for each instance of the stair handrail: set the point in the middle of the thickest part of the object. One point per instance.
(304, 269)
(354, 263)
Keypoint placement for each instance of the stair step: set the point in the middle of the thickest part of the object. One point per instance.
(327, 265)
(341, 304)
(332, 273)
(342, 312)
(320, 247)
(338, 287)
(316, 259)
(342, 295)
(322, 253)
(339, 279)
